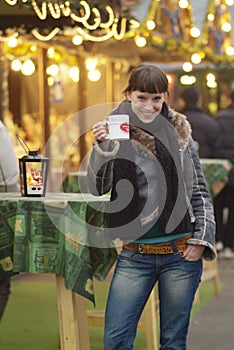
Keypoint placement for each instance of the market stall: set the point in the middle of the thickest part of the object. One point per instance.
(62, 58)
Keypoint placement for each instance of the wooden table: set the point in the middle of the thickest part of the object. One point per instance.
(50, 234)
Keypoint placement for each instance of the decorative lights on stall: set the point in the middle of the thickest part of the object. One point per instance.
(140, 41)
(28, 67)
(211, 81)
(187, 67)
(93, 73)
(168, 26)
(188, 79)
(74, 74)
(91, 22)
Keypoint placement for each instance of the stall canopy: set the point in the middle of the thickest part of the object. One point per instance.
(153, 30)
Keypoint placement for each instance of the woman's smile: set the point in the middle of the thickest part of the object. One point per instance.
(146, 105)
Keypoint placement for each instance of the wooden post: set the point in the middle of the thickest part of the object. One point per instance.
(109, 82)
(44, 98)
(4, 91)
(73, 322)
(82, 104)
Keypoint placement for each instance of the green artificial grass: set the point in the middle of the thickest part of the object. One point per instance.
(31, 319)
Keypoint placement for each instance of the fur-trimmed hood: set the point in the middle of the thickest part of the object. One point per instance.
(182, 126)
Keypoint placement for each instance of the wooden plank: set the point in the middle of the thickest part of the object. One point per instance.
(73, 322)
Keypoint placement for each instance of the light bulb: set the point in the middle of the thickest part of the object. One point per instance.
(140, 41)
(77, 40)
(16, 65)
(28, 67)
(94, 75)
(74, 74)
(187, 66)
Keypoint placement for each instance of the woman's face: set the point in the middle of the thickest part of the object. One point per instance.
(146, 105)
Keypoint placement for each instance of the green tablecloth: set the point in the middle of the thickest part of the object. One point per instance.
(216, 173)
(43, 235)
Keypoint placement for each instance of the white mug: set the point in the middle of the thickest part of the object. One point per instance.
(118, 127)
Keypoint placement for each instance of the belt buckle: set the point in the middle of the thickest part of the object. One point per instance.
(140, 248)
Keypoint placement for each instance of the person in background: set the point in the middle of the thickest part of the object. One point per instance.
(9, 182)
(205, 130)
(159, 207)
(225, 199)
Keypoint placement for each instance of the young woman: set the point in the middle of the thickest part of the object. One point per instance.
(160, 208)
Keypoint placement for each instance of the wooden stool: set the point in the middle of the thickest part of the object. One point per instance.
(210, 272)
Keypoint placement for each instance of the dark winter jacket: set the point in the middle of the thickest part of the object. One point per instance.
(144, 189)
(225, 120)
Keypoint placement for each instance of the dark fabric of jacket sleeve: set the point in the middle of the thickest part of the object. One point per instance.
(202, 206)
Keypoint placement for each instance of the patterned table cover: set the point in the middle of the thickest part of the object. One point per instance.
(44, 236)
(216, 173)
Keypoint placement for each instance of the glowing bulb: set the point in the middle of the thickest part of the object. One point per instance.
(150, 24)
(12, 42)
(52, 70)
(16, 65)
(140, 41)
(196, 58)
(77, 40)
(210, 77)
(230, 50)
(50, 81)
(187, 79)
(195, 32)
(183, 4)
(33, 48)
(210, 17)
(91, 63)
(226, 27)
(28, 67)
(229, 2)
(74, 74)
(94, 75)
(50, 52)
(187, 66)
(211, 84)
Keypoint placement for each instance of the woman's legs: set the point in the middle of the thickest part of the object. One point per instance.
(133, 280)
(178, 282)
(135, 276)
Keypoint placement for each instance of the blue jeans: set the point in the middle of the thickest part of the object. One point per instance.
(134, 278)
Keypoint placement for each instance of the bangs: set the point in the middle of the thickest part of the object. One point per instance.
(148, 78)
(147, 84)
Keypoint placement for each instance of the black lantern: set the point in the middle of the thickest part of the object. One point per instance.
(33, 174)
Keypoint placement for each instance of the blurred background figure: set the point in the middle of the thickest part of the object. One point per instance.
(224, 201)
(9, 176)
(205, 130)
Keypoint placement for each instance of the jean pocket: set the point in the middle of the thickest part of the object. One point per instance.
(128, 254)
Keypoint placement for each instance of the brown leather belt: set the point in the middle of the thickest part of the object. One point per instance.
(178, 245)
